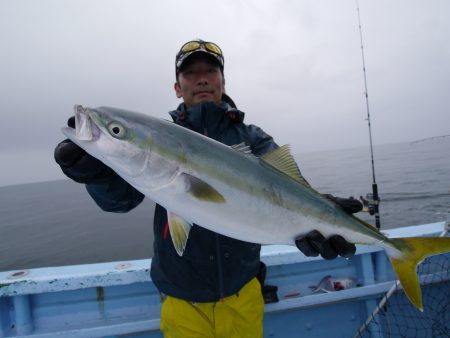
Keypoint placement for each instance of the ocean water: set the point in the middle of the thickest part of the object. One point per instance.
(57, 223)
(413, 179)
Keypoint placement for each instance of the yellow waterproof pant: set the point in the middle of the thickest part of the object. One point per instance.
(239, 316)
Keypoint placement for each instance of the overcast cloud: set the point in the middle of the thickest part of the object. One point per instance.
(294, 67)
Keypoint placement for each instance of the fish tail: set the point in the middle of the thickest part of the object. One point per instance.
(413, 251)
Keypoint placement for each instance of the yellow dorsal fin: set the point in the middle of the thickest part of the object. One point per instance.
(282, 160)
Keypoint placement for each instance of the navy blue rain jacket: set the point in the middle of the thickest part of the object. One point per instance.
(213, 266)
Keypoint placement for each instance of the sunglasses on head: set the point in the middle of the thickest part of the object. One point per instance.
(193, 46)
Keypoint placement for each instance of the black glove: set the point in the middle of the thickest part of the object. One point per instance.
(78, 165)
(313, 243)
(350, 205)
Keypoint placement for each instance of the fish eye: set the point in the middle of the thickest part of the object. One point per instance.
(117, 130)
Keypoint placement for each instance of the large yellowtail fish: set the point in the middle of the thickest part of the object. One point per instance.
(230, 191)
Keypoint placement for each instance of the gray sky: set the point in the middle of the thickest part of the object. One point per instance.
(294, 67)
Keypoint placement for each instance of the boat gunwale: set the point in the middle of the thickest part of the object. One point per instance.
(73, 277)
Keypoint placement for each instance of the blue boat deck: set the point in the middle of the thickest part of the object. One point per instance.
(119, 299)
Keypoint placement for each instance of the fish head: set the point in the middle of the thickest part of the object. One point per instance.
(111, 137)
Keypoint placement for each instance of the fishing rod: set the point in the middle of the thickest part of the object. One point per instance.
(372, 203)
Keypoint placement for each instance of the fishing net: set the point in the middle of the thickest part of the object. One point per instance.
(395, 316)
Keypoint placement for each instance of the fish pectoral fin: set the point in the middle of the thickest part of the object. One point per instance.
(179, 231)
(202, 190)
(415, 250)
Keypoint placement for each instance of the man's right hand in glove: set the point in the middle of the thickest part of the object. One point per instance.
(314, 243)
(78, 165)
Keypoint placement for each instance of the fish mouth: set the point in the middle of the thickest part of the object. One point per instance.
(83, 123)
(85, 127)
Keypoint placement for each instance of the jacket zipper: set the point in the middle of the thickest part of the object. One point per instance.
(204, 124)
(220, 268)
(218, 254)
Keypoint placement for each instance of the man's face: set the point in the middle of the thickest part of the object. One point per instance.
(200, 81)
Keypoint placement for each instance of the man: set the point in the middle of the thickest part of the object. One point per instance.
(212, 290)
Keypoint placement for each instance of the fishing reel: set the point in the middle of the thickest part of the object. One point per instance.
(371, 204)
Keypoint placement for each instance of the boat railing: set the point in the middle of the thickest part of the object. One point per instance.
(119, 298)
